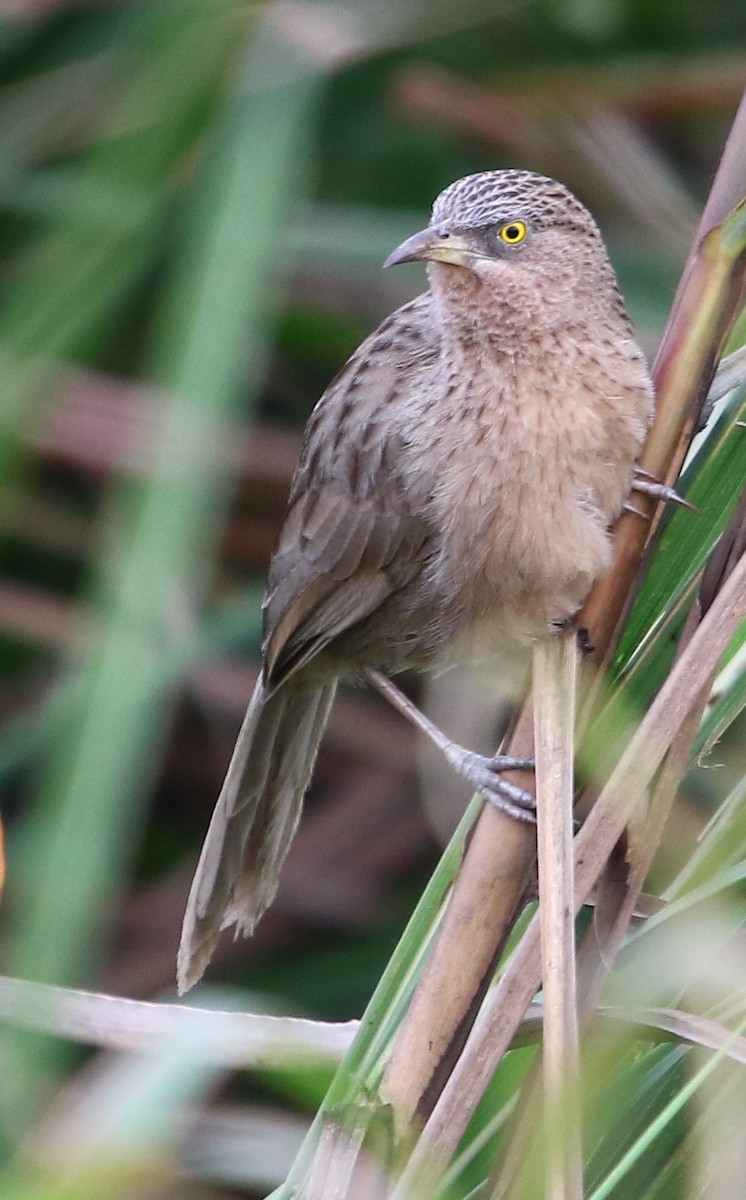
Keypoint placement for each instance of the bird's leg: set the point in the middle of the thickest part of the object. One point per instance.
(482, 772)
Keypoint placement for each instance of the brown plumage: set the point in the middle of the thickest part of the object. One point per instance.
(456, 487)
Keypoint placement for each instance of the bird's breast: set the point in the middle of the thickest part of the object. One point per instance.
(531, 461)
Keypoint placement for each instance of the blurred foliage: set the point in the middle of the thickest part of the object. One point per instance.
(196, 197)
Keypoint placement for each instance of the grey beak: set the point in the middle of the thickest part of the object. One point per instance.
(435, 245)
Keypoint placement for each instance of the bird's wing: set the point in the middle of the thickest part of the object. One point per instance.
(353, 534)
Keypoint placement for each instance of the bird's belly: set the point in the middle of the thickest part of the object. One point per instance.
(488, 585)
(520, 566)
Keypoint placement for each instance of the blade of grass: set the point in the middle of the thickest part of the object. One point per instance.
(227, 1038)
(657, 1126)
(79, 829)
(361, 1066)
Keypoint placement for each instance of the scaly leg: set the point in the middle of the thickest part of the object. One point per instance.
(483, 773)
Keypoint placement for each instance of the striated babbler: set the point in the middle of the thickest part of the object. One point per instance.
(456, 487)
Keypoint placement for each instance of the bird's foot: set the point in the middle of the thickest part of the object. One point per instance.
(485, 775)
(648, 485)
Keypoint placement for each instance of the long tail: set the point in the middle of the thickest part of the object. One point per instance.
(254, 820)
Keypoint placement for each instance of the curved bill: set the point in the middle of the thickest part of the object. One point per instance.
(434, 245)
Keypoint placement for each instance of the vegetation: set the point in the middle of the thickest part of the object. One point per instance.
(196, 200)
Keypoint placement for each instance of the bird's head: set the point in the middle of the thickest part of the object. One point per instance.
(524, 238)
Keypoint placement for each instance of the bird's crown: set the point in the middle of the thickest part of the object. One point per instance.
(492, 197)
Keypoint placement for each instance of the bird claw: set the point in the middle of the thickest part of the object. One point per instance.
(514, 801)
(485, 774)
(630, 508)
(650, 486)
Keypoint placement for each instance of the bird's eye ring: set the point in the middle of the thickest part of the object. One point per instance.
(512, 233)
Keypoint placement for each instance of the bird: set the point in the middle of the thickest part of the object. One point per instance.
(455, 492)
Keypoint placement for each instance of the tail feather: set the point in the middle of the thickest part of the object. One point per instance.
(254, 820)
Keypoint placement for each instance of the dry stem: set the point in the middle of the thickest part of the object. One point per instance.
(555, 662)
(495, 1027)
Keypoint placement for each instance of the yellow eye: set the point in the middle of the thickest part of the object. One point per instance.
(512, 233)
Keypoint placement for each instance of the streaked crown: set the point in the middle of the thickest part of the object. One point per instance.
(493, 197)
